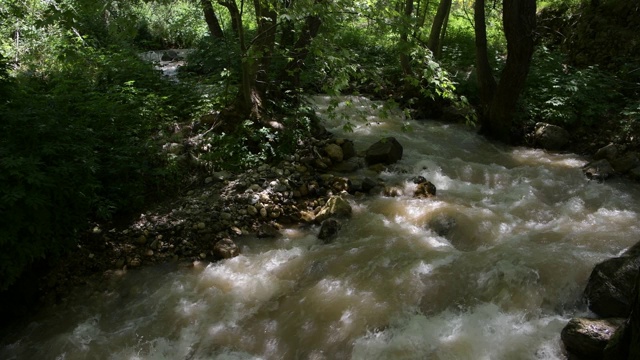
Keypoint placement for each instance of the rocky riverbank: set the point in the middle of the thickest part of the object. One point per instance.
(203, 223)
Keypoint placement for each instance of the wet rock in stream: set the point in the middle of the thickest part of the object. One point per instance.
(386, 151)
(587, 338)
(329, 230)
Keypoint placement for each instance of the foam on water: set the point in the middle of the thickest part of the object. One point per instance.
(481, 332)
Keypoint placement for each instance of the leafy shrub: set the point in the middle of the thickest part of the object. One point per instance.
(213, 56)
(78, 142)
(253, 143)
(168, 24)
(354, 59)
(564, 95)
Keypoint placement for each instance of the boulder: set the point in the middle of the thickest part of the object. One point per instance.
(386, 151)
(349, 166)
(339, 184)
(598, 170)
(334, 152)
(348, 149)
(608, 152)
(335, 206)
(267, 231)
(226, 249)
(329, 230)
(551, 137)
(587, 338)
(609, 290)
(419, 179)
(442, 224)
(368, 184)
(424, 190)
(625, 163)
(170, 55)
(635, 173)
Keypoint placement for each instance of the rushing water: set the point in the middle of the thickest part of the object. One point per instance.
(528, 230)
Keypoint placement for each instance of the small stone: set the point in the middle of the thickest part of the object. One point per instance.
(252, 210)
(135, 262)
(425, 189)
(336, 206)
(329, 230)
(226, 249)
(334, 152)
(201, 225)
(208, 180)
(91, 256)
(141, 240)
(203, 256)
(263, 212)
(307, 216)
(267, 231)
(236, 230)
(149, 252)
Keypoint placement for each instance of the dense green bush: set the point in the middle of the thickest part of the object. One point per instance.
(78, 142)
(168, 24)
(564, 95)
(352, 60)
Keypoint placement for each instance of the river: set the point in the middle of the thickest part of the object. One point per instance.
(526, 230)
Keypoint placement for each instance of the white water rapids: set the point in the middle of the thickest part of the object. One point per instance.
(529, 229)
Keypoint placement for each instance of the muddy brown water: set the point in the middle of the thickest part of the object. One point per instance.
(528, 229)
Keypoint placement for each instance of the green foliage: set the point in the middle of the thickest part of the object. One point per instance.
(5, 80)
(432, 79)
(564, 95)
(215, 58)
(253, 143)
(353, 60)
(77, 141)
(168, 24)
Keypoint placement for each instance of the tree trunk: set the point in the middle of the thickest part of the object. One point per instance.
(498, 103)
(519, 21)
(437, 28)
(211, 19)
(244, 100)
(486, 82)
(405, 59)
(261, 54)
